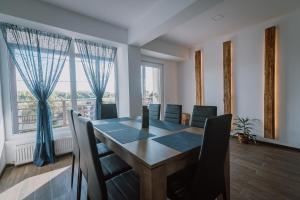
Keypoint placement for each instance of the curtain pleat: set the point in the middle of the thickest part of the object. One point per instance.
(97, 61)
(39, 57)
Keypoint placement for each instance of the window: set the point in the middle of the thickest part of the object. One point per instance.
(151, 83)
(25, 109)
(85, 98)
(24, 104)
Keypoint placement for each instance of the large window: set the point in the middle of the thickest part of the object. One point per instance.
(71, 90)
(151, 83)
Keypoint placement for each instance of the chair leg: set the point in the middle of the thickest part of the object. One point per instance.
(79, 184)
(72, 174)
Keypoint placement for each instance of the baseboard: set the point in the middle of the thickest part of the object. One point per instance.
(275, 145)
(279, 145)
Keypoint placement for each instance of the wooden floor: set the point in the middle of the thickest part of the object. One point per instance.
(13, 175)
(257, 172)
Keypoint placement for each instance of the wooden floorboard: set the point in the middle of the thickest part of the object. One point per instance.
(13, 175)
(257, 172)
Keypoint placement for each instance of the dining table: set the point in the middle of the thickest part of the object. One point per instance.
(155, 152)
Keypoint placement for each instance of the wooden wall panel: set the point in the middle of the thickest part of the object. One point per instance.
(198, 76)
(227, 76)
(269, 91)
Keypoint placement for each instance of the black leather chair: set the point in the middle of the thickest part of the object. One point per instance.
(206, 179)
(109, 111)
(102, 149)
(201, 113)
(154, 111)
(173, 113)
(121, 187)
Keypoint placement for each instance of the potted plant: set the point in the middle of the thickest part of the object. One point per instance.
(243, 129)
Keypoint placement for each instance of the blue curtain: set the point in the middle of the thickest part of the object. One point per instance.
(97, 61)
(39, 57)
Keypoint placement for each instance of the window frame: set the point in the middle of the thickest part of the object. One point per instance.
(13, 127)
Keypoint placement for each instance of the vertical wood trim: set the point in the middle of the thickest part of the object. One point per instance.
(227, 76)
(198, 76)
(269, 91)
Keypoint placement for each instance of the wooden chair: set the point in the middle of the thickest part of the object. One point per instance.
(173, 113)
(109, 111)
(201, 113)
(121, 187)
(206, 179)
(154, 111)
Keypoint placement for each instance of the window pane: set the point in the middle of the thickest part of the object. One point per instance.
(59, 101)
(151, 89)
(109, 95)
(26, 107)
(85, 98)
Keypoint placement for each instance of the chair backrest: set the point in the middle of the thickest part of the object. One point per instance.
(209, 181)
(201, 113)
(154, 111)
(173, 113)
(109, 111)
(91, 165)
(73, 133)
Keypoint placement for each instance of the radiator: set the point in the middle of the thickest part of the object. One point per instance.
(24, 152)
(63, 145)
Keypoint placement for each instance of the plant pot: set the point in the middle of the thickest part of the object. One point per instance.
(243, 139)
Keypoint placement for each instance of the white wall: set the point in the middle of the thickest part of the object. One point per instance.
(187, 86)
(248, 75)
(2, 135)
(123, 82)
(47, 14)
(135, 91)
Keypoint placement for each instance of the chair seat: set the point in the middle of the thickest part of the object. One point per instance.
(113, 165)
(123, 187)
(103, 150)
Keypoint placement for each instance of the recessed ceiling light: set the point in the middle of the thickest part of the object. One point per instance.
(217, 17)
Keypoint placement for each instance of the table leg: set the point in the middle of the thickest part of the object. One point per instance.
(153, 184)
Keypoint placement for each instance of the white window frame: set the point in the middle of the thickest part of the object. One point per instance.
(10, 95)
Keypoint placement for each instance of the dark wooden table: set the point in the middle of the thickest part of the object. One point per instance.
(152, 160)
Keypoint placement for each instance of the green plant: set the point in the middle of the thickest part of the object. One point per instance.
(244, 127)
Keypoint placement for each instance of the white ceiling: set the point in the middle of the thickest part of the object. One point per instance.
(237, 15)
(123, 13)
(184, 22)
